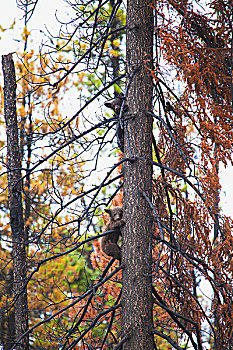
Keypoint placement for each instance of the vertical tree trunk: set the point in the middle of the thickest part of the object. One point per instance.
(137, 321)
(15, 202)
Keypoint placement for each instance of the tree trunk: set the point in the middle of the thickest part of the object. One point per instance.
(15, 203)
(137, 320)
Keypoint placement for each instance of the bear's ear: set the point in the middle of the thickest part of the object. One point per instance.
(107, 211)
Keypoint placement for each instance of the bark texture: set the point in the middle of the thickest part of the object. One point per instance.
(15, 203)
(137, 321)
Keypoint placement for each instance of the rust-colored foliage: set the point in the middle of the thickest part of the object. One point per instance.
(193, 237)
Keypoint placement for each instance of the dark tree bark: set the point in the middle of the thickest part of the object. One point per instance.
(137, 321)
(15, 203)
(7, 319)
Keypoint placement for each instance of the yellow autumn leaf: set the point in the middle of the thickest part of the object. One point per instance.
(25, 31)
(114, 53)
(116, 42)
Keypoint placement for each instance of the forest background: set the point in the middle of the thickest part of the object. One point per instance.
(45, 16)
(69, 295)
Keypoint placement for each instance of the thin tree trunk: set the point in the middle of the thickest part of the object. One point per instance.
(137, 321)
(15, 202)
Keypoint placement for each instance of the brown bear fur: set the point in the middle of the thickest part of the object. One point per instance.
(109, 244)
(115, 105)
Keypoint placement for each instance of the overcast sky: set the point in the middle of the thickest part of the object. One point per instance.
(45, 14)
